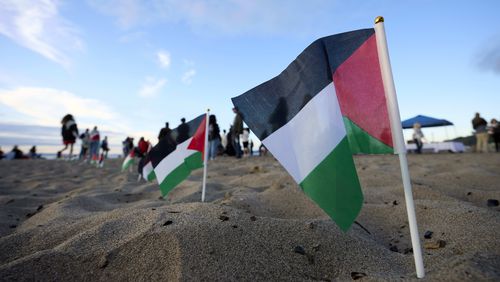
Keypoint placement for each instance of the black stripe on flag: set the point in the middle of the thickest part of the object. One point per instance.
(168, 144)
(269, 106)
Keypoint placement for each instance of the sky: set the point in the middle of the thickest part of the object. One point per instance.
(130, 66)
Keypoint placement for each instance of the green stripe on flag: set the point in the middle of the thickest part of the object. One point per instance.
(151, 176)
(334, 186)
(174, 178)
(363, 143)
(127, 163)
(194, 161)
(180, 173)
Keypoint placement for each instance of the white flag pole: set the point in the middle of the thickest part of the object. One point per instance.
(205, 157)
(397, 135)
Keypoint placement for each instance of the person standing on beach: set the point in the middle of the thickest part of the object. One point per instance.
(494, 131)
(182, 131)
(142, 147)
(85, 137)
(245, 137)
(125, 146)
(417, 137)
(164, 131)
(94, 145)
(479, 124)
(104, 152)
(213, 137)
(237, 130)
(223, 140)
(69, 132)
(105, 147)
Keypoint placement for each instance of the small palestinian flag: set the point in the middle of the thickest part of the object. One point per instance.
(129, 160)
(324, 107)
(145, 168)
(179, 153)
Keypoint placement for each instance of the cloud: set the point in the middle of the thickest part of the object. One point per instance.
(20, 134)
(230, 17)
(152, 87)
(187, 77)
(127, 12)
(37, 25)
(46, 106)
(163, 59)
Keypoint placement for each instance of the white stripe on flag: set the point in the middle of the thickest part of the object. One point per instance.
(173, 160)
(146, 170)
(305, 141)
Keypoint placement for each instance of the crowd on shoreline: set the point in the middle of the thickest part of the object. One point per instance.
(234, 142)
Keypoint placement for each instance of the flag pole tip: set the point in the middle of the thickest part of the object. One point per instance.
(379, 19)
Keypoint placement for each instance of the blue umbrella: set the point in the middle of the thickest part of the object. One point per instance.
(425, 121)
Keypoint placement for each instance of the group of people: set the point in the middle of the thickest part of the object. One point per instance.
(483, 131)
(140, 150)
(16, 154)
(236, 142)
(93, 149)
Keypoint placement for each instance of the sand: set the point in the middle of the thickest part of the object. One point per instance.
(65, 221)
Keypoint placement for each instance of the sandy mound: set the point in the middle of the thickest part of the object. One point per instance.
(63, 221)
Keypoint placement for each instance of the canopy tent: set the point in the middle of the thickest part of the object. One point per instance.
(425, 121)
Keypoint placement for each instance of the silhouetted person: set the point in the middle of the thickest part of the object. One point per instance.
(229, 150)
(479, 124)
(17, 154)
(417, 137)
(85, 137)
(105, 147)
(182, 131)
(213, 137)
(130, 144)
(494, 130)
(237, 130)
(69, 132)
(33, 154)
(164, 131)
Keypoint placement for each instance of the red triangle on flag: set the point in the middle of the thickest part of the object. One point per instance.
(198, 141)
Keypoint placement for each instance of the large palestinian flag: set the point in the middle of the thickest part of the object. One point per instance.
(324, 107)
(178, 153)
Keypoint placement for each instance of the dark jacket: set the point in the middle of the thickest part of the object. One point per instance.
(214, 133)
(238, 124)
(69, 131)
(182, 132)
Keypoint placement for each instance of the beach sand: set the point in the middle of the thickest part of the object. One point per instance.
(62, 220)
